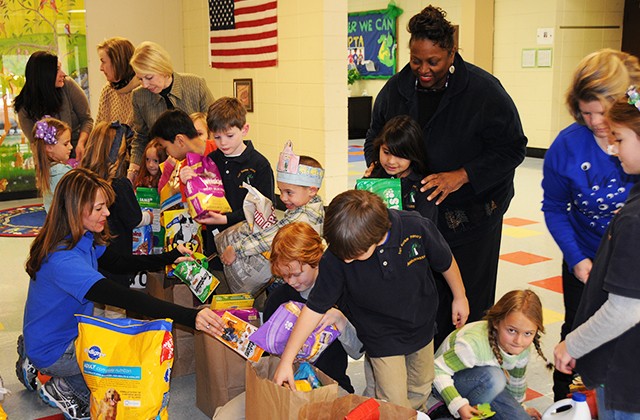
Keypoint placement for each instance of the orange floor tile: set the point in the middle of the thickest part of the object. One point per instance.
(517, 221)
(523, 258)
(552, 283)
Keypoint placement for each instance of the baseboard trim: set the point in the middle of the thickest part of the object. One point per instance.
(536, 152)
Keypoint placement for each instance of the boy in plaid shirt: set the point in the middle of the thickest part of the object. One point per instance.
(298, 178)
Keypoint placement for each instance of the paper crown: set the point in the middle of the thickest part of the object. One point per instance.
(290, 170)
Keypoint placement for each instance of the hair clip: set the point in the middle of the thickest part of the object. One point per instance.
(634, 97)
(46, 132)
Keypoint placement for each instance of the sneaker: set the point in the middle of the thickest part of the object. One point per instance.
(439, 411)
(26, 372)
(67, 402)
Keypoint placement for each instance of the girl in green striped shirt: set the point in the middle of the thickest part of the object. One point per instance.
(485, 361)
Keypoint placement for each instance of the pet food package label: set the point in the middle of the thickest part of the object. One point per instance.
(273, 335)
(142, 240)
(250, 315)
(170, 194)
(180, 228)
(195, 274)
(126, 364)
(288, 161)
(149, 200)
(388, 189)
(232, 301)
(236, 334)
(259, 211)
(205, 192)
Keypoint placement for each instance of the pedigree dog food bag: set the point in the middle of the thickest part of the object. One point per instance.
(126, 364)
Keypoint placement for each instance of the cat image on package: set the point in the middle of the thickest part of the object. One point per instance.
(236, 335)
(180, 228)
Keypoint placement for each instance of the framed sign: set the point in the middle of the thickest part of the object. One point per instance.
(243, 91)
(372, 42)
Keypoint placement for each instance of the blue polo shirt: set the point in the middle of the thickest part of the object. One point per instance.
(63, 280)
(391, 297)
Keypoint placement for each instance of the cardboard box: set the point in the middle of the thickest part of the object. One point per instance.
(266, 401)
(220, 372)
(184, 348)
(339, 408)
(235, 300)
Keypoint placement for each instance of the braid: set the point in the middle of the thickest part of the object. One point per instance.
(536, 343)
(493, 342)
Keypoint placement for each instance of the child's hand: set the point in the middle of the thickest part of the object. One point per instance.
(333, 317)
(186, 252)
(466, 412)
(212, 218)
(564, 362)
(459, 311)
(208, 322)
(284, 375)
(367, 173)
(228, 256)
(533, 413)
(187, 173)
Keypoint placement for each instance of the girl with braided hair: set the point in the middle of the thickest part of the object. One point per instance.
(485, 361)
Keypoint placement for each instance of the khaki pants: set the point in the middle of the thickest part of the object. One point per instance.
(405, 380)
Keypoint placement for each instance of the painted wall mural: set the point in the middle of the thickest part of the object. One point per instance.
(27, 26)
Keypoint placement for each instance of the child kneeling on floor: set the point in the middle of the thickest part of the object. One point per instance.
(485, 361)
(380, 261)
(298, 185)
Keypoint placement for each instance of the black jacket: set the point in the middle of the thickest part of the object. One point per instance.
(476, 127)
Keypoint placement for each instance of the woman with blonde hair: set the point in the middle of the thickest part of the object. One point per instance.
(162, 89)
(115, 98)
(584, 185)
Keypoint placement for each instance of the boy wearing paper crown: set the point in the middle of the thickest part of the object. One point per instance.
(299, 178)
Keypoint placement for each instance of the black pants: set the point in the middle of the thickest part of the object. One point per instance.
(571, 294)
(478, 262)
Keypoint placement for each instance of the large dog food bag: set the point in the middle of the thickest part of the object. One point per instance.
(126, 364)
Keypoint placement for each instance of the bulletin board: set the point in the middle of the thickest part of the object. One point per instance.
(372, 42)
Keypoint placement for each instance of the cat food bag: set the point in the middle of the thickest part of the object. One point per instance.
(273, 335)
(149, 200)
(205, 192)
(126, 364)
(235, 335)
(142, 240)
(197, 276)
(180, 228)
(388, 189)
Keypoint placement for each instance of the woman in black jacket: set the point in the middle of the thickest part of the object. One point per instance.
(473, 142)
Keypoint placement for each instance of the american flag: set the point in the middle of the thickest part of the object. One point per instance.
(244, 33)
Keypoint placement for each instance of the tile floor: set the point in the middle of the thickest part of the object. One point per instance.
(530, 259)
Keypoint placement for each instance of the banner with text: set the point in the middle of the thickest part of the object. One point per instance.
(372, 42)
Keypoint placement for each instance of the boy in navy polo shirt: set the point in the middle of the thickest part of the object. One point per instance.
(380, 262)
(237, 161)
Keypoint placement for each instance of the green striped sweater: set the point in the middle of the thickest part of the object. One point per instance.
(469, 347)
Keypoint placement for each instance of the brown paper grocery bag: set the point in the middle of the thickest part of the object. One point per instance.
(267, 401)
(339, 408)
(220, 373)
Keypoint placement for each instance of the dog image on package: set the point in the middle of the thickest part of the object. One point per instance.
(126, 364)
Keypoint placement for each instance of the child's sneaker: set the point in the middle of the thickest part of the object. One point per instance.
(65, 401)
(439, 411)
(26, 372)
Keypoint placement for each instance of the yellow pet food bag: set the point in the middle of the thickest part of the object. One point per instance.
(126, 364)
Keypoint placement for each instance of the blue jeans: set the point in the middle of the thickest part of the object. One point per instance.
(486, 384)
(67, 375)
(604, 414)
